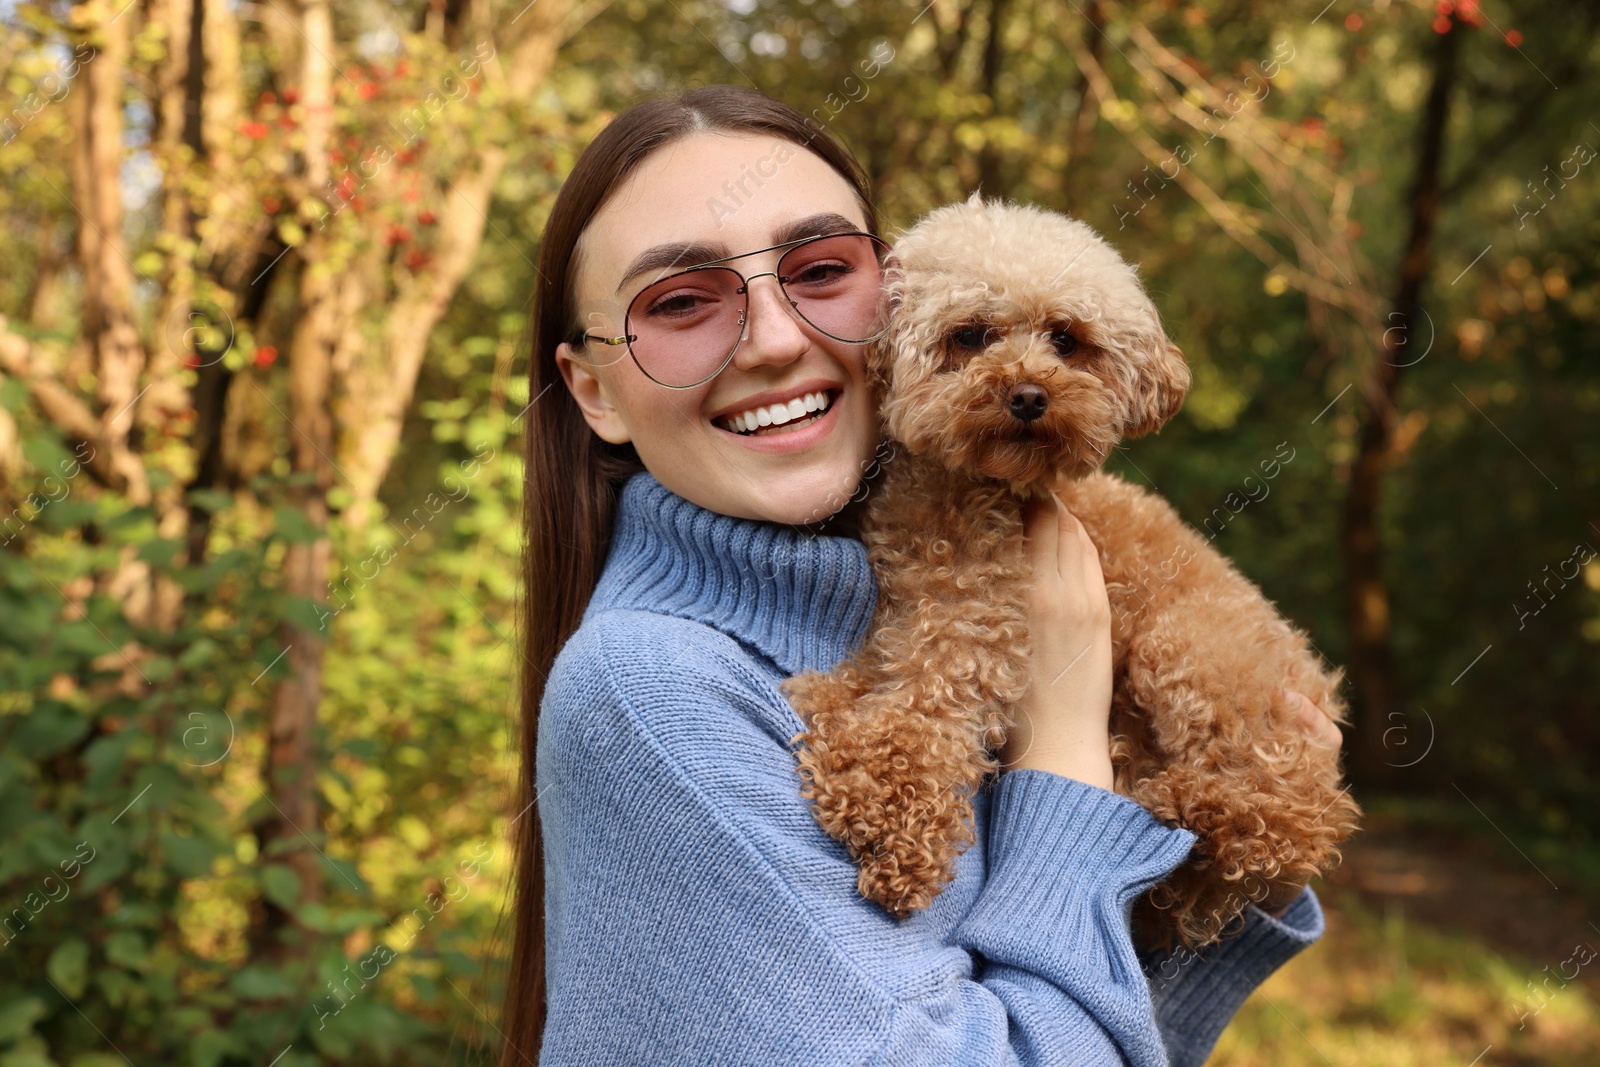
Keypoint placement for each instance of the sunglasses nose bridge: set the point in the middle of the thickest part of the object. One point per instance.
(785, 301)
(744, 291)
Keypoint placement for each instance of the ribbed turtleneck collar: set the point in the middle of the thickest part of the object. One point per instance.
(802, 600)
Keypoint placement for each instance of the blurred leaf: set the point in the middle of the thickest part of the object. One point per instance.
(68, 514)
(13, 393)
(293, 526)
(50, 729)
(68, 967)
(46, 455)
(160, 551)
(260, 982)
(280, 885)
(216, 501)
(308, 614)
(127, 949)
(110, 857)
(27, 1057)
(17, 1018)
(187, 857)
(209, 1046)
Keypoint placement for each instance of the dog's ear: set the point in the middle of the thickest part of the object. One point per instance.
(1159, 388)
(880, 353)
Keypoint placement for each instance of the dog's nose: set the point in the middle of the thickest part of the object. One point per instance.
(1027, 401)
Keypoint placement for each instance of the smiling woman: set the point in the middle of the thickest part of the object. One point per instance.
(703, 409)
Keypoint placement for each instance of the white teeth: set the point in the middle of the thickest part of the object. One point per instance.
(777, 414)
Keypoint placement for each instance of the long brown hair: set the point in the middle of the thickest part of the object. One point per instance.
(573, 476)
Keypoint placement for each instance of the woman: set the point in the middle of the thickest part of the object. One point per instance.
(690, 446)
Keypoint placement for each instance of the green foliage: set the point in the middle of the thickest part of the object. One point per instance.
(133, 884)
(128, 792)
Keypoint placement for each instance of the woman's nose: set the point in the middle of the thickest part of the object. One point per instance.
(772, 331)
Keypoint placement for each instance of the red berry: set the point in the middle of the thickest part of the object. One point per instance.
(266, 355)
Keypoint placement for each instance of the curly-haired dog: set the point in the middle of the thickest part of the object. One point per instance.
(1022, 350)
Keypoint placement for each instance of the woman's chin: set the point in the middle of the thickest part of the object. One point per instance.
(805, 500)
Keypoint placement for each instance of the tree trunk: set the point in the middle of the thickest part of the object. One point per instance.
(1366, 595)
(1088, 110)
(166, 404)
(991, 176)
(379, 384)
(290, 831)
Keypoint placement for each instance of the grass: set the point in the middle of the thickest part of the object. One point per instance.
(1380, 989)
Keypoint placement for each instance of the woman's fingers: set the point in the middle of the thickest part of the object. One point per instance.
(1324, 731)
(1041, 526)
(1069, 540)
(1091, 557)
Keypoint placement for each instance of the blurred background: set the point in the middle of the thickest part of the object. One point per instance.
(264, 281)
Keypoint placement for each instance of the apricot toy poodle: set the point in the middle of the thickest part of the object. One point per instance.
(1022, 349)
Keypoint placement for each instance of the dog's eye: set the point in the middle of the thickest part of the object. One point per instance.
(1065, 343)
(972, 336)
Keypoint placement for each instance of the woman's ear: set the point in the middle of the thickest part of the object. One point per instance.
(593, 398)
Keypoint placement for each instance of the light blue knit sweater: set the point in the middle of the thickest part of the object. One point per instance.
(696, 913)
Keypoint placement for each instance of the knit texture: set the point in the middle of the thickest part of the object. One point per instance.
(696, 913)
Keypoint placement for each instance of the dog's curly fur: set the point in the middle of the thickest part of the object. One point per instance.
(1022, 349)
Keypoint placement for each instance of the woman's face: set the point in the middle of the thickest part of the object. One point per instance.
(678, 196)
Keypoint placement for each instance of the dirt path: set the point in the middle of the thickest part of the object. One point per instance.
(1475, 885)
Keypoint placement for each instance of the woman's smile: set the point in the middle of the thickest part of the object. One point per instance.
(784, 420)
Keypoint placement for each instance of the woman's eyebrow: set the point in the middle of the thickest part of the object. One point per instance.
(811, 225)
(692, 253)
(684, 254)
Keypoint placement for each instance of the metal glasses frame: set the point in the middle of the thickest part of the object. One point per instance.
(581, 338)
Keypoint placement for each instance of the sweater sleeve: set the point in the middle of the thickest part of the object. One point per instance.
(1196, 993)
(697, 914)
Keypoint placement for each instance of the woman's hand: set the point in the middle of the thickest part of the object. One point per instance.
(1317, 722)
(1323, 732)
(1064, 723)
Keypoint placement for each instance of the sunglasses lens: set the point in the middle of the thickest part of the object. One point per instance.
(685, 326)
(836, 283)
